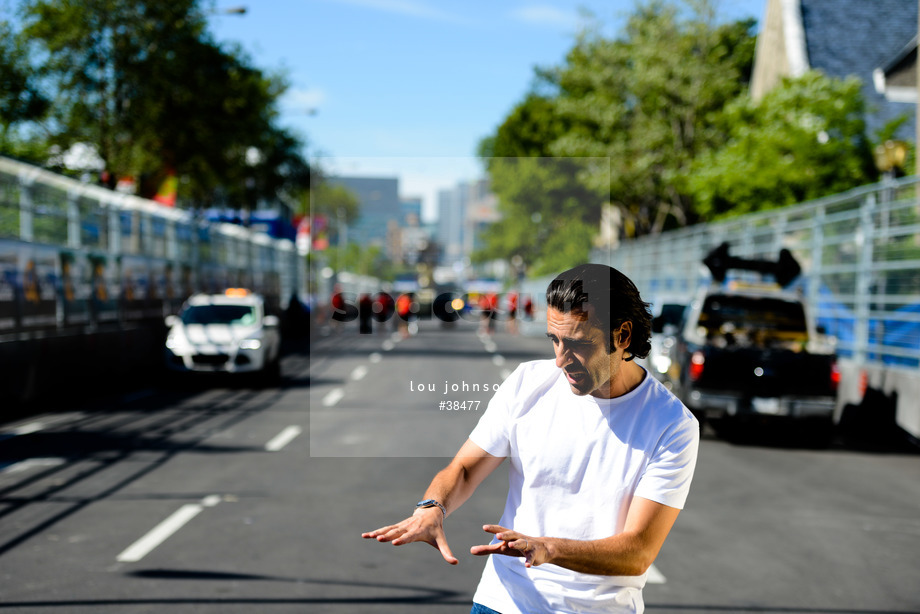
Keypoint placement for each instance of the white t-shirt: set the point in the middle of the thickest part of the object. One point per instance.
(576, 463)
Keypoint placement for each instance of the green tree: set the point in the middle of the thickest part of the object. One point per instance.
(330, 200)
(528, 130)
(549, 213)
(619, 123)
(145, 84)
(20, 98)
(804, 139)
(653, 107)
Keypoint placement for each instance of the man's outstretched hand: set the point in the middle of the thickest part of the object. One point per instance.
(533, 549)
(425, 525)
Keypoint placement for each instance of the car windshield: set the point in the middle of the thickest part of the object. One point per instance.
(243, 315)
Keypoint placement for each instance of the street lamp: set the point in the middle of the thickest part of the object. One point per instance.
(233, 10)
(890, 157)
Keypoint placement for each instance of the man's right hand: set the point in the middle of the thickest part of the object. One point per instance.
(424, 525)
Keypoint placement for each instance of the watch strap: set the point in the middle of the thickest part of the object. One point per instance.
(431, 503)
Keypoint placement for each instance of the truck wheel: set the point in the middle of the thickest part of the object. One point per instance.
(818, 432)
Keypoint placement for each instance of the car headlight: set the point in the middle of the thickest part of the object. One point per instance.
(250, 344)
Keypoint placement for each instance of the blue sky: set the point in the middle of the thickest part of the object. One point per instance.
(407, 88)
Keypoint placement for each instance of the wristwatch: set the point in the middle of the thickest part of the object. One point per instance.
(431, 503)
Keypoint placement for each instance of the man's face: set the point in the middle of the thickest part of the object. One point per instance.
(581, 352)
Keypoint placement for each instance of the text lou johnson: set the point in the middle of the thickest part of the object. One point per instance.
(448, 387)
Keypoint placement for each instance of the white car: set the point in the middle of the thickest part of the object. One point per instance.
(227, 332)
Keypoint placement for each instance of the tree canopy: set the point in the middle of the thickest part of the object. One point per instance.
(20, 98)
(145, 84)
(665, 105)
(805, 139)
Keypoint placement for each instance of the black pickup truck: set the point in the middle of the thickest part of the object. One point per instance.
(744, 351)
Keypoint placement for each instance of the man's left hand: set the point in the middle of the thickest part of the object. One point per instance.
(534, 549)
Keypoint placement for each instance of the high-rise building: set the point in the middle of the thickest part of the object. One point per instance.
(386, 219)
(409, 206)
(379, 202)
(464, 211)
(481, 212)
(452, 223)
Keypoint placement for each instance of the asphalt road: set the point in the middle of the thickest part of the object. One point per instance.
(222, 497)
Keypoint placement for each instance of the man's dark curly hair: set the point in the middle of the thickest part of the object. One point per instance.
(613, 296)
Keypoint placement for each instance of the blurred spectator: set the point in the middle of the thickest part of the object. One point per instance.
(365, 314)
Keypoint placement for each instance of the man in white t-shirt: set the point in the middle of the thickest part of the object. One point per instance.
(601, 457)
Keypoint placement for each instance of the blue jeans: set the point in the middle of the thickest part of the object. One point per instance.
(481, 609)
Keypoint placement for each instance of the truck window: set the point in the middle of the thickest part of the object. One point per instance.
(746, 320)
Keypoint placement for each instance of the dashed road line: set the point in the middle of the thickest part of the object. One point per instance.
(334, 396)
(25, 429)
(35, 426)
(163, 531)
(498, 360)
(375, 357)
(359, 372)
(29, 463)
(283, 438)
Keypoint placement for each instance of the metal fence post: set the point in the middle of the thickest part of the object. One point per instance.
(817, 257)
(73, 220)
(864, 243)
(114, 230)
(26, 208)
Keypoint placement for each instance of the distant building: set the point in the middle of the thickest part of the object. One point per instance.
(452, 203)
(380, 204)
(409, 206)
(873, 40)
(414, 240)
(481, 212)
(464, 212)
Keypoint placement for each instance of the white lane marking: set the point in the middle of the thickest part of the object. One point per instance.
(283, 438)
(335, 395)
(505, 374)
(39, 425)
(359, 372)
(165, 530)
(25, 429)
(491, 348)
(31, 427)
(29, 463)
(655, 576)
(375, 357)
(498, 360)
(387, 345)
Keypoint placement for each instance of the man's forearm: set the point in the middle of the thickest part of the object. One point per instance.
(620, 555)
(451, 487)
(454, 484)
(628, 553)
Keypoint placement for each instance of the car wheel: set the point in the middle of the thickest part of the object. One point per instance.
(271, 372)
